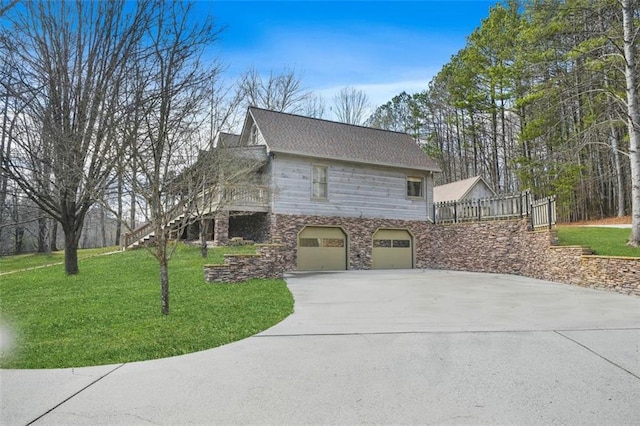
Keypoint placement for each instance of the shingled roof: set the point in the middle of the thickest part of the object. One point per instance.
(457, 190)
(295, 134)
(227, 140)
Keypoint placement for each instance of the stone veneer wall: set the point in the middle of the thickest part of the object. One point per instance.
(508, 247)
(266, 263)
(221, 229)
(359, 230)
(621, 274)
(499, 247)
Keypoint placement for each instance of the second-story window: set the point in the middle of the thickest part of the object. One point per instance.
(253, 135)
(319, 182)
(414, 187)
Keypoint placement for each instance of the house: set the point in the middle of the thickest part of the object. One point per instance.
(466, 189)
(337, 196)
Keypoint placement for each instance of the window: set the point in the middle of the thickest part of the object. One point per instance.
(401, 243)
(253, 135)
(392, 243)
(309, 242)
(319, 189)
(414, 187)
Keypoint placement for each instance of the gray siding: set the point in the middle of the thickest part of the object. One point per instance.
(354, 190)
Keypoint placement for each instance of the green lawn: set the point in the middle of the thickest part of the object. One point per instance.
(32, 260)
(603, 241)
(110, 312)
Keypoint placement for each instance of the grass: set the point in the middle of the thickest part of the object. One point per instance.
(33, 260)
(110, 312)
(603, 241)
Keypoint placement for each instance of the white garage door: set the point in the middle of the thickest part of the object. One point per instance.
(322, 249)
(392, 249)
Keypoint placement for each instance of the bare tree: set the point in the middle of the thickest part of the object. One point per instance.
(173, 94)
(70, 59)
(225, 103)
(314, 106)
(631, 32)
(6, 5)
(351, 106)
(6, 135)
(281, 92)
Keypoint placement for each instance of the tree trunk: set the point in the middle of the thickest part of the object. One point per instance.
(203, 238)
(164, 283)
(19, 239)
(5, 153)
(70, 252)
(53, 237)
(132, 221)
(103, 227)
(119, 212)
(633, 121)
(613, 135)
(43, 233)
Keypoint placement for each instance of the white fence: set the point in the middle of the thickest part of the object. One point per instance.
(542, 213)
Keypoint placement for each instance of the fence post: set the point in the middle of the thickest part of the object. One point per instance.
(520, 204)
(455, 212)
(532, 217)
(434, 213)
(479, 210)
(549, 211)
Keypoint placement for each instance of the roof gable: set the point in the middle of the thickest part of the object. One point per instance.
(227, 140)
(295, 134)
(458, 190)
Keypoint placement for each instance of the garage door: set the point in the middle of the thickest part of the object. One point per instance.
(392, 249)
(322, 249)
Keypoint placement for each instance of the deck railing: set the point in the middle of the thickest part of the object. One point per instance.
(508, 206)
(244, 195)
(236, 197)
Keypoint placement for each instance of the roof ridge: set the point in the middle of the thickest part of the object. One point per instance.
(330, 121)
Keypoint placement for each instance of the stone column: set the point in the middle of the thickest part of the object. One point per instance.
(221, 229)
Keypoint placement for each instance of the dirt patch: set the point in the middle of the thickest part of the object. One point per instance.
(624, 220)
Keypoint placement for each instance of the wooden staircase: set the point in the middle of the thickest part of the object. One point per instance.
(239, 198)
(145, 234)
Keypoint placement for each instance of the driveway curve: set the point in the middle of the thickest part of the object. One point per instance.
(411, 346)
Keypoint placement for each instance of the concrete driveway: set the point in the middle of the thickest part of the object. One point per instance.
(429, 347)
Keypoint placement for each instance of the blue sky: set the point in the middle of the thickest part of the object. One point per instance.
(381, 47)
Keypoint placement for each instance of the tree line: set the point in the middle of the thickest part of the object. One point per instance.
(544, 96)
(111, 109)
(105, 104)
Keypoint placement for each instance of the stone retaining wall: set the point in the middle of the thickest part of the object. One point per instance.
(505, 247)
(621, 274)
(508, 247)
(266, 263)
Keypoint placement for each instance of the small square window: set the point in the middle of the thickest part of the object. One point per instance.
(319, 184)
(414, 187)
